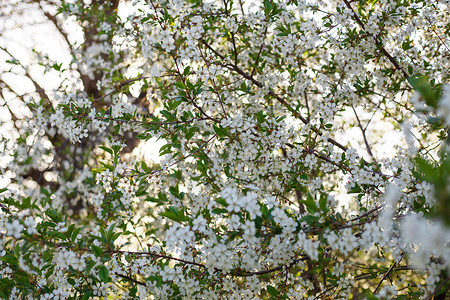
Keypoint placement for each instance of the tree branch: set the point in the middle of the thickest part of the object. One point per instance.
(382, 49)
(277, 97)
(38, 88)
(55, 22)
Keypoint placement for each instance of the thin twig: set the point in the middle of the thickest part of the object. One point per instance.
(387, 273)
(363, 132)
(246, 274)
(55, 22)
(120, 86)
(430, 296)
(164, 256)
(432, 28)
(157, 255)
(259, 52)
(192, 100)
(184, 157)
(149, 123)
(365, 214)
(131, 279)
(37, 87)
(216, 89)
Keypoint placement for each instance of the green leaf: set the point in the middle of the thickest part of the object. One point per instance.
(323, 203)
(75, 233)
(144, 136)
(423, 87)
(47, 256)
(264, 211)
(45, 192)
(110, 233)
(6, 286)
(268, 7)
(191, 132)
(168, 115)
(115, 236)
(103, 273)
(272, 291)
(175, 191)
(244, 87)
(355, 189)
(258, 223)
(103, 234)
(53, 214)
(309, 219)
(89, 266)
(174, 214)
(260, 116)
(219, 211)
(10, 259)
(310, 204)
(222, 201)
(116, 129)
(166, 148)
(428, 171)
(97, 250)
(180, 85)
(107, 149)
(407, 44)
(220, 131)
(86, 295)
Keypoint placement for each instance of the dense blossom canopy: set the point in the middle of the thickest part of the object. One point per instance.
(302, 151)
